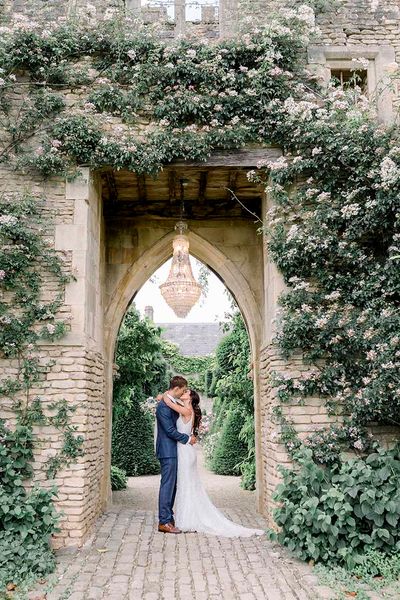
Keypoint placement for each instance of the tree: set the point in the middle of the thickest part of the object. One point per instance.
(142, 372)
(233, 393)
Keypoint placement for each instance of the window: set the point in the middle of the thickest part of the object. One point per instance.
(349, 78)
(369, 67)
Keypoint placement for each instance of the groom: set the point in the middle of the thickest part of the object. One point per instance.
(166, 451)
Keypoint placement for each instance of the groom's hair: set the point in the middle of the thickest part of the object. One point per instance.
(177, 381)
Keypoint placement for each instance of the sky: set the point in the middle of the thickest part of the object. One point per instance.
(208, 310)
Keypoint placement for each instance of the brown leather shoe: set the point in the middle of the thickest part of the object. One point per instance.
(168, 528)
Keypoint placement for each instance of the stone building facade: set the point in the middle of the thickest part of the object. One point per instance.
(113, 254)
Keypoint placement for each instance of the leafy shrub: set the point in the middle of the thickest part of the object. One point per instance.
(118, 478)
(27, 521)
(248, 471)
(248, 466)
(209, 445)
(230, 451)
(336, 514)
(375, 563)
(220, 408)
(142, 370)
(27, 518)
(208, 375)
(132, 446)
(233, 407)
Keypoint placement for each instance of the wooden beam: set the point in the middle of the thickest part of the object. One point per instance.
(141, 184)
(112, 186)
(203, 186)
(234, 158)
(172, 183)
(232, 182)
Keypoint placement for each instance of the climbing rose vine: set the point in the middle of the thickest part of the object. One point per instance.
(334, 233)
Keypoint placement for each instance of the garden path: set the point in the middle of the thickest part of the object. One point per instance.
(127, 558)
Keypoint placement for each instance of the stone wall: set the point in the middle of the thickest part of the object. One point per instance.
(112, 260)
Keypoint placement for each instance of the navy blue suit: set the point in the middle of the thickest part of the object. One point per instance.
(167, 438)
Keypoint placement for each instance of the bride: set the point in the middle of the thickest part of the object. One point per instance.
(194, 510)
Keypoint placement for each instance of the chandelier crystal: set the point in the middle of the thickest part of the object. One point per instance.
(181, 291)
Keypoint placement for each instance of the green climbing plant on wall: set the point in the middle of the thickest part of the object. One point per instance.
(334, 231)
(28, 323)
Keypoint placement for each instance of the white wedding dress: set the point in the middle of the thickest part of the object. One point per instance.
(194, 510)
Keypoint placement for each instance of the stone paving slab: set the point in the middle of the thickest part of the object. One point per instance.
(128, 559)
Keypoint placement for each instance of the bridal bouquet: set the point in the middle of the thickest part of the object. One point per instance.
(150, 405)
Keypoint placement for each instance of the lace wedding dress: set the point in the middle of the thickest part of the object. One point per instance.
(194, 510)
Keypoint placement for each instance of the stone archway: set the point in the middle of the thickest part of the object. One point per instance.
(133, 279)
(114, 244)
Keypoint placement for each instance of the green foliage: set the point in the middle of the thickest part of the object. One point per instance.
(229, 446)
(185, 365)
(375, 563)
(230, 451)
(193, 368)
(335, 515)
(248, 465)
(248, 471)
(142, 370)
(376, 575)
(27, 518)
(334, 235)
(118, 478)
(115, 101)
(197, 96)
(132, 446)
(208, 376)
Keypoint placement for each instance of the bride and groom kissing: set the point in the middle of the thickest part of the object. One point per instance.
(178, 416)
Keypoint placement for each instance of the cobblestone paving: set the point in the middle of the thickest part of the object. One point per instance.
(127, 558)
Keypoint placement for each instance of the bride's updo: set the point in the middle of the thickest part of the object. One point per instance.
(195, 398)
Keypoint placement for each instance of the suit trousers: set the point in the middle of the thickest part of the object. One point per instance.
(166, 498)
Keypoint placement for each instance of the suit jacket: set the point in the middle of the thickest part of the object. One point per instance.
(167, 433)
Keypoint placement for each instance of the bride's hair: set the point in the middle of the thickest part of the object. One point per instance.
(197, 411)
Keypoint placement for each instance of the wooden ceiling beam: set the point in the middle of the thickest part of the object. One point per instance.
(172, 186)
(203, 186)
(141, 185)
(234, 158)
(111, 186)
(232, 184)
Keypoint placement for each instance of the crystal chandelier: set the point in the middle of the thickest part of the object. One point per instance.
(181, 291)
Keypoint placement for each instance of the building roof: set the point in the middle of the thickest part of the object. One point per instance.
(193, 339)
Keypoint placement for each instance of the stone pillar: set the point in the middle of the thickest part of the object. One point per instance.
(228, 17)
(180, 17)
(133, 7)
(78, 374)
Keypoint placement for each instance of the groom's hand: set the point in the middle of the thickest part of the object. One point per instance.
(159, 397)
(193, 440)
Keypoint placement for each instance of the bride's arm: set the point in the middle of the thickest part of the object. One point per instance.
(182, 410)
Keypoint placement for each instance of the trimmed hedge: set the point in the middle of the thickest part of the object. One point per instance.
(118, 478)
(132, 447)
(231, 451)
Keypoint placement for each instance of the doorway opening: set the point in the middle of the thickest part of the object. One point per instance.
(221, 209)
(210, 348)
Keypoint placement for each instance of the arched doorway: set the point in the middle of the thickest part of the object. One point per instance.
(227, 242)
(245, 293)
